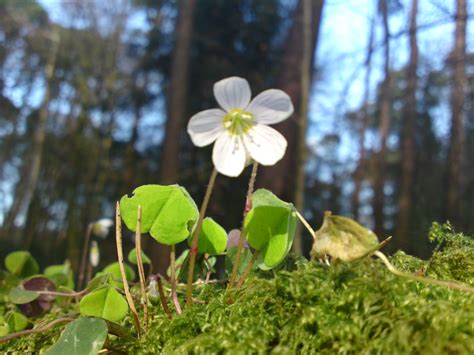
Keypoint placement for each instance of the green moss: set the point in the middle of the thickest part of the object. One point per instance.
(306, 307)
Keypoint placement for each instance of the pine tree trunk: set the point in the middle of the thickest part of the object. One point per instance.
(32, 170)
(457, 101)
(359, 173)
(384, 126)
(281, 179)
(402, 228)
(177, 93)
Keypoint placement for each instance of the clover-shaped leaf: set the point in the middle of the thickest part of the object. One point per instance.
(114, 270)
(61, 275)
(104, 303)
(19, 295)
(212, 239)
(270, 227)
(16, 321)
(84, 336)
(169, 214)
(21, 263)
(132, 257)
(43, 302)
(343, 238)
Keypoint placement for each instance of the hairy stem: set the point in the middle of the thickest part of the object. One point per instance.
(248, 268)
(118, 239)
(141, 270)
(174, 294)
(164, 303)
(448, 284)
(194, 244)
(240, 246)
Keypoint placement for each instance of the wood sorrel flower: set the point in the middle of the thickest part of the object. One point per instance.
(240, 129)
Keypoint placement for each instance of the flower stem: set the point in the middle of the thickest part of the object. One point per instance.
(118, 239)
(85, 252)
(305, 223)
(194, 244)
(248, 268)
(141, 271)
(448, 284)
(240, 246)
(174, 295)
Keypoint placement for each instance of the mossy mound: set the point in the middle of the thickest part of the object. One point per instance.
(306, 307)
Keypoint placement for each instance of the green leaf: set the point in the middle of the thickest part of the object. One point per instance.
(61, 275)
(343, 238)
(100, 280)
(132, 257)
(19, 295)
(21, 263)
(4, 328)
(84, 336)
(169, 214)
(212, 239)
(114, 270)
(16, 321)
(270, 227)
(105, 303)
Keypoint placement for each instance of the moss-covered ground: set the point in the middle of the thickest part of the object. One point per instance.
(306, 307)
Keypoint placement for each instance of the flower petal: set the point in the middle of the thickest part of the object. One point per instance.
(232, 93)
(265, 144)
(229, 155)
(271, 106)
(205, 126)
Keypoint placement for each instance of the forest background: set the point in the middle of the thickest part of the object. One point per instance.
(95, 97)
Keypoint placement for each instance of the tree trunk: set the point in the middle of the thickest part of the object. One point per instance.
(359, 173)
(33, 167)
(176, 110)
(457, 101)
(177, 92)
(384, 126)
(281, 178)
(402, 228)
(305, 73)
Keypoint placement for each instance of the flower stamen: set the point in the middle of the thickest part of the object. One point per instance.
(238, 122)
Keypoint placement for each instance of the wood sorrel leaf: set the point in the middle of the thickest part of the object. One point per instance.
(114, 270)
(342, 238)
(270, 227)
(61, 275)
(21, 263)
(132, 257)
(19, 295)
(41, 304)
(169, 213)
(212, 239)
(104, 303)
(16, 321)
(84, 336)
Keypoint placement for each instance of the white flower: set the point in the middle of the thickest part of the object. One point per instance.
(101, 227)
(240, 128)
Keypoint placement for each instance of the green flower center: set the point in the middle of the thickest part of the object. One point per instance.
(238, 122)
